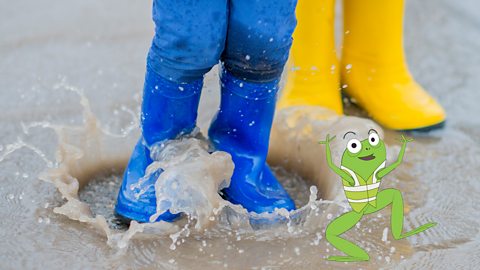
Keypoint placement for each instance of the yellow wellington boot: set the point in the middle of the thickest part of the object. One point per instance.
(313, 76)
(374, 71)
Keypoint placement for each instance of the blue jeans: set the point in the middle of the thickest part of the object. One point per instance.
(251, 37)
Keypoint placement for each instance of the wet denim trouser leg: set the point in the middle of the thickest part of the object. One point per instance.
(259, 38)
(252, 37)
(258, 42)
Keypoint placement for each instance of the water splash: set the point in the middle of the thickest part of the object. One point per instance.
(192, 177)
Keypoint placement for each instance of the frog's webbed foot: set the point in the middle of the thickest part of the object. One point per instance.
(418, 230)
(347, 259)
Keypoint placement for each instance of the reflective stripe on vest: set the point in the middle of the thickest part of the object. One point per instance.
(363, 193)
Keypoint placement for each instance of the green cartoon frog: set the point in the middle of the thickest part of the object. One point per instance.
(363, 167)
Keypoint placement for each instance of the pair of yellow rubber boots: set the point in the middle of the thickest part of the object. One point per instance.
(372, 71)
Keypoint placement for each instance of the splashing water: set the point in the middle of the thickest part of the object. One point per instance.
(190, 180)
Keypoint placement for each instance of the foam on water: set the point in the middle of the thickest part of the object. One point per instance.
(190, 180)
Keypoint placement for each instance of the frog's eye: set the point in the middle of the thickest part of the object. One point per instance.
(354, 146)
(373, 139)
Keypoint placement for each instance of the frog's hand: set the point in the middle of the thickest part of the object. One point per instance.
(344, 175)
(328, 139)
(405, 140)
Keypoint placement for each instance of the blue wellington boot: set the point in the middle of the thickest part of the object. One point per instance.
(242, 128)
(169, 110)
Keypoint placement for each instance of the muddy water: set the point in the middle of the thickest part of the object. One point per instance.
(70, 79)
(87, 169)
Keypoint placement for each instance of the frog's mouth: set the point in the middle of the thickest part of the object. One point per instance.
(369, 157)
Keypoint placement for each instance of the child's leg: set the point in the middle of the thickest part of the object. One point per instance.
(377, 76)
(313, 74)
(339, 226)
(189, 38)
(394, 197)
(259, 39)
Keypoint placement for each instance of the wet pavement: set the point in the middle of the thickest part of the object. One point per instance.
(49, 48)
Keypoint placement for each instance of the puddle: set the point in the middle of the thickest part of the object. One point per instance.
(100, 193)
(88, 168)
(45, 127)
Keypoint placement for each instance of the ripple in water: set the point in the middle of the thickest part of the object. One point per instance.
(100, 193)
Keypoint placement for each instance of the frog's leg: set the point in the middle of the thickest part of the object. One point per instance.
(337, 227)
(394, 197)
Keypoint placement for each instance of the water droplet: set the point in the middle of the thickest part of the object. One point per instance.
(251, 123)
(247, 57)
(385, 234)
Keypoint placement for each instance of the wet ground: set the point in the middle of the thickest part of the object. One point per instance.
(51, 50)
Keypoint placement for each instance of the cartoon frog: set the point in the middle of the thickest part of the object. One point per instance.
(363, 166)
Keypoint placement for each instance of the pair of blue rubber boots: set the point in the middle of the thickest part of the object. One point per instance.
(241, 127)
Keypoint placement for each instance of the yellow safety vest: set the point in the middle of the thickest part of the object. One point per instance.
(364, 192)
